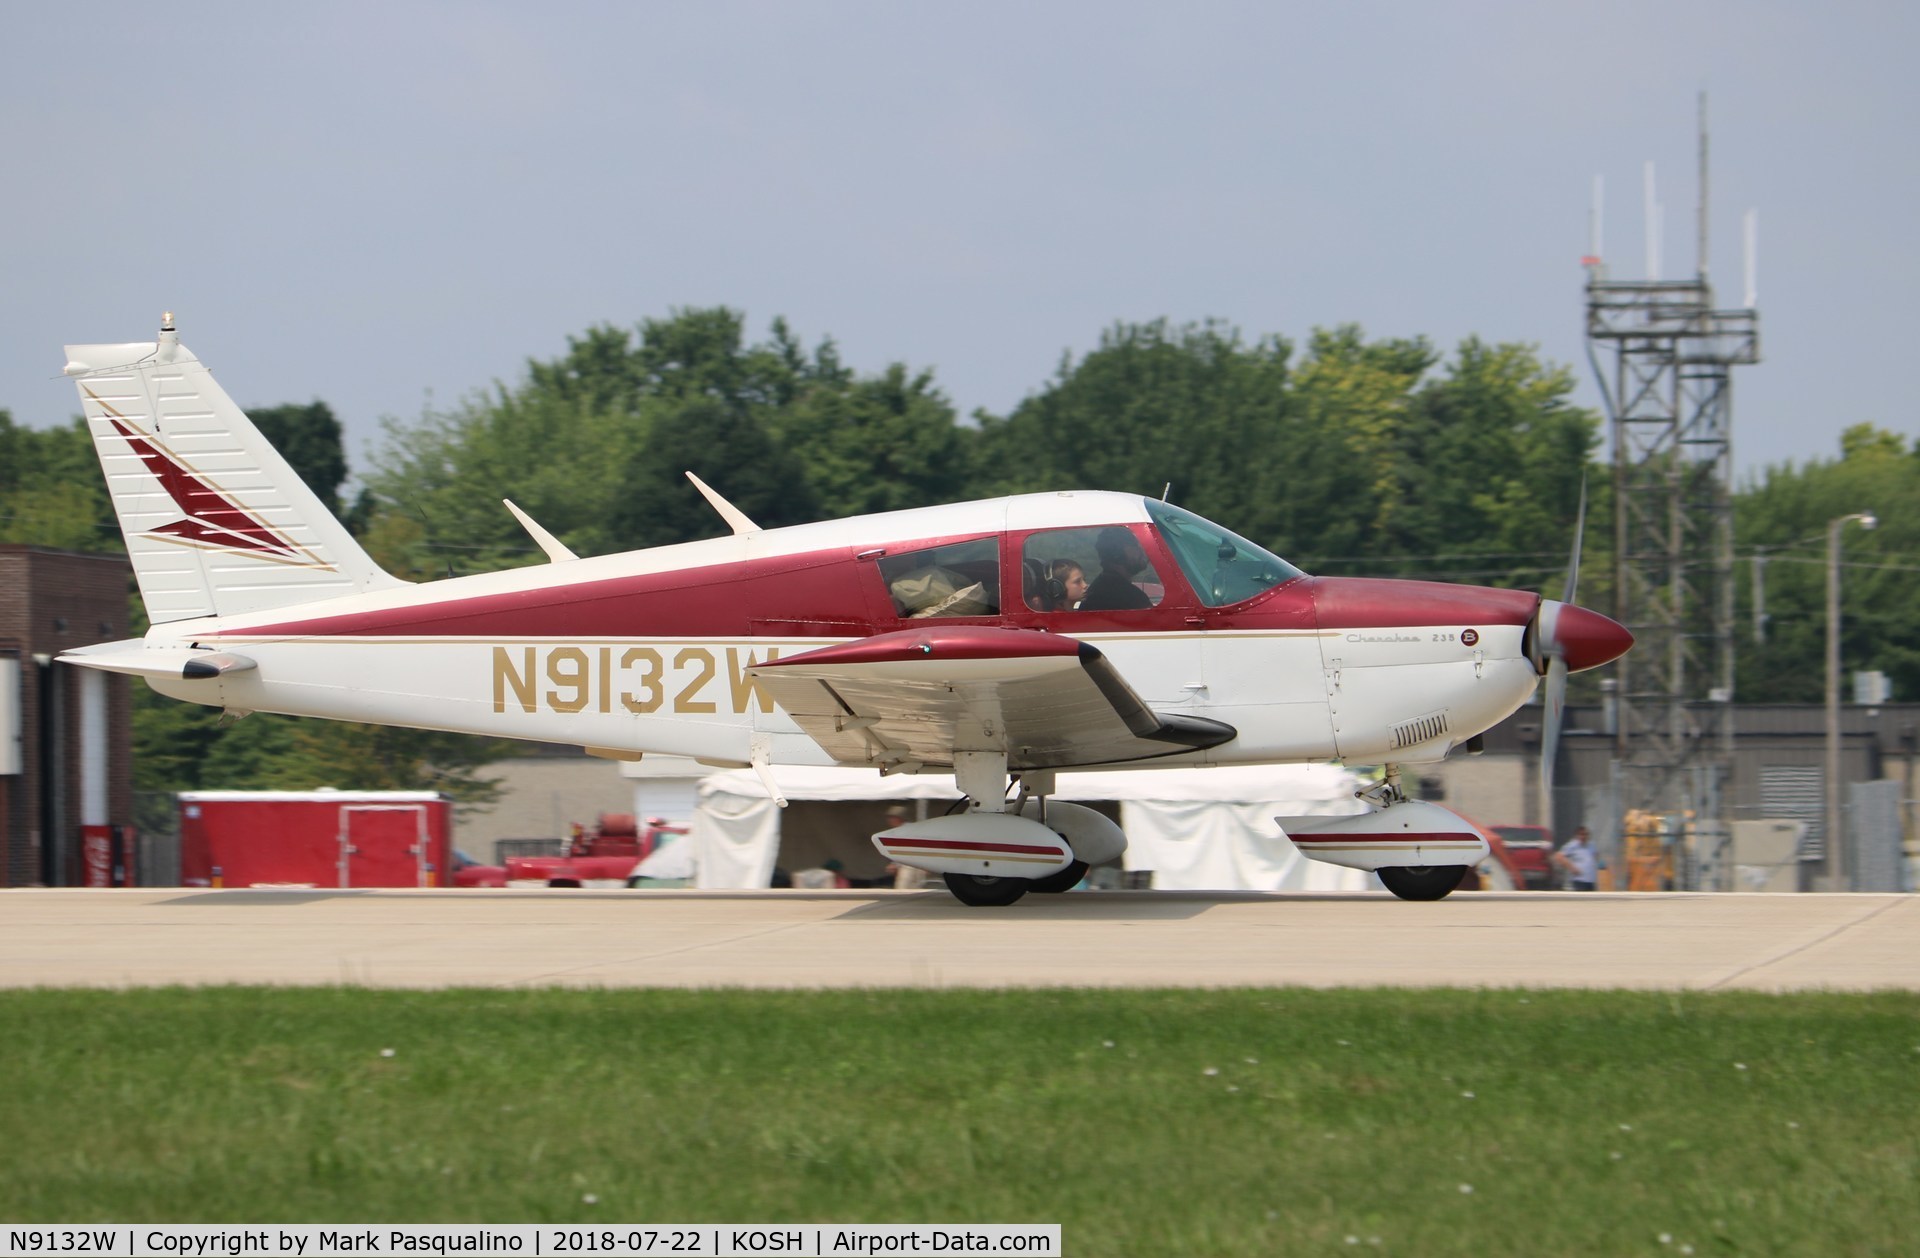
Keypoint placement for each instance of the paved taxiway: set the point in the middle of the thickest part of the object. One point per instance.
(925, 939)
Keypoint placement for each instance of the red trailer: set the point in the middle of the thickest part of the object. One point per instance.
(315, 839)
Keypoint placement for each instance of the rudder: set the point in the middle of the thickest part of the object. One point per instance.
(216, 522)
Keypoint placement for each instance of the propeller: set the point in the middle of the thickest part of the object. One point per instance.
(1555, 699)
(1566, 639)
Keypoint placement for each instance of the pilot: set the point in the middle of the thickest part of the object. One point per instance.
(1120, 557)
(1070, 579)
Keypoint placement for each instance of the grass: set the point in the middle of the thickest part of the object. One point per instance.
(1168, 1122)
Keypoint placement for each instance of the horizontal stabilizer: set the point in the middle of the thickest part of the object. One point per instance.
(134, 657)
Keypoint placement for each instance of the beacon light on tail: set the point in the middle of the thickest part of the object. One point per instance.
(1005, 641)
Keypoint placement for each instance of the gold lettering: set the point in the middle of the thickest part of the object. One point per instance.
(606, 679)
(649, 680)
(746, 690)
(572, 677)
(684, 701)
(505, 675)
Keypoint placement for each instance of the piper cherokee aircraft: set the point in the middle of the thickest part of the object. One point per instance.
(1005, 641)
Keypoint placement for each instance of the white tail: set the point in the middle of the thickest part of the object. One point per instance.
(216, 522)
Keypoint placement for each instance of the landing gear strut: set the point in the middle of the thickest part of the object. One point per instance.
(982, 778)
(1410, 882)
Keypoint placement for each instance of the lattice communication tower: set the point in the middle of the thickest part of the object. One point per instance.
(1669, 398)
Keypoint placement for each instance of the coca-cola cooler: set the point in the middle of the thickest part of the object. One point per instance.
(108, 857)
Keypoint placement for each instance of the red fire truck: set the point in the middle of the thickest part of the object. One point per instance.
(603, 856)
(315, 839)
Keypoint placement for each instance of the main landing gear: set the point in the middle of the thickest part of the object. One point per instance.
(997, 840)
(1411, 882)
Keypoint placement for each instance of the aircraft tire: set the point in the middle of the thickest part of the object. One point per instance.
(1060, 880)
(979, 892)
(1422, 882)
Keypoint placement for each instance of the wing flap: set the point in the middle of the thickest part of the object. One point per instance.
(910, 698)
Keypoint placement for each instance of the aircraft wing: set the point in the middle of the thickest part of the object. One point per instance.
(909, 698)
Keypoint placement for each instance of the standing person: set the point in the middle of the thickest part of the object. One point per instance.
(1580, 861)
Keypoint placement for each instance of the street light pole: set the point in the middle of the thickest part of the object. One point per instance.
(1836, 845)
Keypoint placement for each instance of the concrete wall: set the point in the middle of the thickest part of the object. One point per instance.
(541, 796)
(1490, 789)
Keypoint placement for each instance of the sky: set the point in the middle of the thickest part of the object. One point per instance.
(391, 206)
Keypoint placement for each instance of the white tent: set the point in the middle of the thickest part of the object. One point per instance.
(1196, 829)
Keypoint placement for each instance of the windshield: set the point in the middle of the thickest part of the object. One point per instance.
(1222, 566)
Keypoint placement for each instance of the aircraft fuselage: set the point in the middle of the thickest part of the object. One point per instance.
(649, 651)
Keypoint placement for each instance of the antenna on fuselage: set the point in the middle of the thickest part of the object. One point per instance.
(736, 519)
(1164, 492)
(555, 548)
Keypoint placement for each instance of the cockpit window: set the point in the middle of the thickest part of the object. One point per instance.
(1222, 566)
(1089, 570)
(958, 580)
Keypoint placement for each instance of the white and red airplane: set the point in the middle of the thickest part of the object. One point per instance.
(1004, 641)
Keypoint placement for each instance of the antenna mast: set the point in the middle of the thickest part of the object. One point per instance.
(1702, 245)
(1669, 394)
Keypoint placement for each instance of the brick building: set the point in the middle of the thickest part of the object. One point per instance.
(66, 749)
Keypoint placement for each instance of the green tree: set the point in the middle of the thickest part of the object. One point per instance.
(308, 437)
(1341, 459)
(729, 449)
(1153, 405)
(51, 489)
(1360, 458)
(593, 444)
(1490, 465)
(1784, 517)
(265, 752)
(883, 443)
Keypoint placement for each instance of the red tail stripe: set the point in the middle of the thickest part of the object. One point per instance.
(202, 504)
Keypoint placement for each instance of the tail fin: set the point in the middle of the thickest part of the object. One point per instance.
(216, 522)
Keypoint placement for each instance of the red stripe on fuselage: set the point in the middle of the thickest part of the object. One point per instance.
(831, 594)
(968, 846)
(1350, 838)
(824, 594)
(1384, 603)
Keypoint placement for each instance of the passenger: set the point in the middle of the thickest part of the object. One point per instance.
(1114, 590)
(1066, 584)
